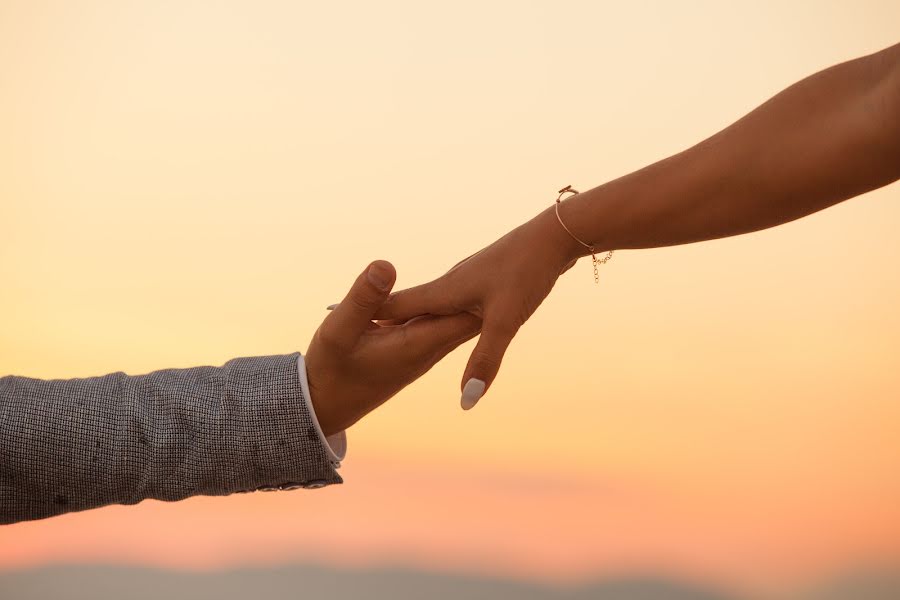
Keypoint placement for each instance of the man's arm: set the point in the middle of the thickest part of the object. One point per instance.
(268, 423)
(70, 445)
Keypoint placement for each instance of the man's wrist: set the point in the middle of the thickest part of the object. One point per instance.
(334, 442)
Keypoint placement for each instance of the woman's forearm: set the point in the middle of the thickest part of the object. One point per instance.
(830, 137)
(827, 138)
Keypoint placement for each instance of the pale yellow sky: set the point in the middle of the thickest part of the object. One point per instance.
(185, 182)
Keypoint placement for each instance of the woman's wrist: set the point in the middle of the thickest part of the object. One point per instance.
(556, 241)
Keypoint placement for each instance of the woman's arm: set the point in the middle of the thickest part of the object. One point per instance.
(827, 138)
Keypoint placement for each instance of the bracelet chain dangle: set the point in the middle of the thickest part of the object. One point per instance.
(596, 261)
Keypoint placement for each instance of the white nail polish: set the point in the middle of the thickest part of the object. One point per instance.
(331, 307)
(471, 393)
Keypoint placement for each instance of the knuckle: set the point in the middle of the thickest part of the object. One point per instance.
(504, 328)
(363, 300)
(485, 360)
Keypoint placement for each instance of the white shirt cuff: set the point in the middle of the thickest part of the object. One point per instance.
(335, 445)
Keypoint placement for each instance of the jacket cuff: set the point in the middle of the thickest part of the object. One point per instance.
(336, 444)
(276, 443)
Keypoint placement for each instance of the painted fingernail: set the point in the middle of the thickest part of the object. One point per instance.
(471, 393)
(331, 307)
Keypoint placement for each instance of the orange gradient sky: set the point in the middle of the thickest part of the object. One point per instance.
(186, 182)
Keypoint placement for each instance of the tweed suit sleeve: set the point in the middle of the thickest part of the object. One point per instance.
(71, 445)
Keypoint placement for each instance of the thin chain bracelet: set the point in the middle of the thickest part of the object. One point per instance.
(597, 261)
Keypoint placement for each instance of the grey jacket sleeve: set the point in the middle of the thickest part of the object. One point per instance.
(69, 445)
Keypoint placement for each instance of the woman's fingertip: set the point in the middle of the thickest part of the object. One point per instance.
(472, 392)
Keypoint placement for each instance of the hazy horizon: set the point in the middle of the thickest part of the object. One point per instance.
(89, 582)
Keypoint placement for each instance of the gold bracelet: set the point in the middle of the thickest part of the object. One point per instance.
(597, 261)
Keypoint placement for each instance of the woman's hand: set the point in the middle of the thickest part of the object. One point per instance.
(354, 365)
(503, 284)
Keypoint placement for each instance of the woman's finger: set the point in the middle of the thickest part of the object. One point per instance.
(436, 336)
(484, 363)
(426, 299)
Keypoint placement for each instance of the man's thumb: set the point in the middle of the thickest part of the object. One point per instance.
(354, 314)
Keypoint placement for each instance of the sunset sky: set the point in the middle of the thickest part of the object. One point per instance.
(184, 182)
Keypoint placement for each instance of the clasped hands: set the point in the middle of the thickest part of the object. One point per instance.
(374, 343)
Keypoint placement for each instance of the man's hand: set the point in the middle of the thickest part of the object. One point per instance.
(354, 365)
